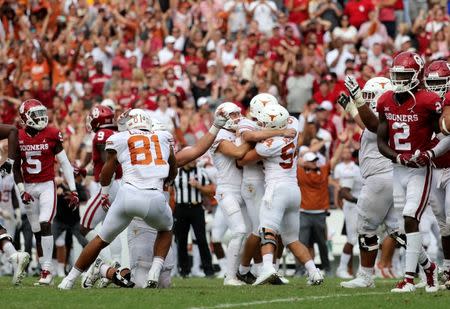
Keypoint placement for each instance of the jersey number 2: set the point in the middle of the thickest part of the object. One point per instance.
(401, 136)
(140, 153)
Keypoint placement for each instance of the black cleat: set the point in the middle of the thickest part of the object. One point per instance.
(152, 284)
(248, 278)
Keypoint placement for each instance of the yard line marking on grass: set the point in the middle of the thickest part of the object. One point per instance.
(286, 300)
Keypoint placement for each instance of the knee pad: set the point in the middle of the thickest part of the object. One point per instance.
(267, 237)
(399, 238)
(6, 237)
(368, 243)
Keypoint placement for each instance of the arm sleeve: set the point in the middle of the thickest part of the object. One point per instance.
(442, 147)
(67, 170)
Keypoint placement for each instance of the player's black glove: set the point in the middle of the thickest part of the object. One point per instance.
(343, 100)
(6, 167)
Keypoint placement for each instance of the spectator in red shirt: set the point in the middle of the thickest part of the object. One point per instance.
(99, 79)
(323, 93)
(298, 10)
(358, 11)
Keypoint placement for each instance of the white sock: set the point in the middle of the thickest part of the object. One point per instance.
(47, 252)
(424, 260)
(60, 268)
(104, 269)
(277, 264)
(73, 274)
(222, 263)
(345, 258)
(9, 249)
(310, 267)
(413, 247)
(366, 270)
(267, 259)
(244, 269)
(233, 255)
(446, 264)
(155, 270)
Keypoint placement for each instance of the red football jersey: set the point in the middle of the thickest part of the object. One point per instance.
(411, 124)
(37, 154)
(100, 139)
(444, 160)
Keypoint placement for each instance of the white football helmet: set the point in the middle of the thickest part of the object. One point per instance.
(274, 117)
(226, 109)
(158, 125)
(134, 119)
(258, 103)
(374, 88)
(109, 103)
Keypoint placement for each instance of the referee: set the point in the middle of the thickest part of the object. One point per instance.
(190, 184)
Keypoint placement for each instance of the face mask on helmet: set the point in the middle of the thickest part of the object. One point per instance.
(403, 81)
(233, 122)
(439, 85)
(37, 118)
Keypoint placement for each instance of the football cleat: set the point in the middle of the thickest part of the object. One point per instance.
(20, 261)
(343, 274)
(432, 279)
(315, 278)
(232, 282)
(197, 272)
(46, 278)
(404, 286)
(66, 284)
(92, 275)
(267, 275)
(362, 280)
(104, 282)
(280, 280)
(248, 278)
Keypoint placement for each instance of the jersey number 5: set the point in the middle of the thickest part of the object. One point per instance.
(34, 165)
(287, 154)
(140, 153)
(402, 135)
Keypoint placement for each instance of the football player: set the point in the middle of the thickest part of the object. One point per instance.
(224, 153)
(406, 124)
(348, 174)
(148, 161)
(252, 188)
(34, 173)
(375, 203)
(279, 212)
(437, 79)
(101, 121)
(19, 260)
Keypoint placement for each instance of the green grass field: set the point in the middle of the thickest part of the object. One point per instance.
(210, 293)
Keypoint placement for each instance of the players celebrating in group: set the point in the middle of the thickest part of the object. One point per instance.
(405, 121)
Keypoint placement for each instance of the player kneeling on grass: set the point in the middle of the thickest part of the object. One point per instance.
(147, 161)
(279, 212)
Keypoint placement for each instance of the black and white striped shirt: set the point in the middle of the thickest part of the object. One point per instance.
(185, 193)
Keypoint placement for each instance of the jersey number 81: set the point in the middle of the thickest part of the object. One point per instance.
(140, 152)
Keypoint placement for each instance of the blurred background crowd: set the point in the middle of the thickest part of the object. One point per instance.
(181, 58)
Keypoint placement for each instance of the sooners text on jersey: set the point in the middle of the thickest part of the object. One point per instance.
(411, 124)
(38, 154)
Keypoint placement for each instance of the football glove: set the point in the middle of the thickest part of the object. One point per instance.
(343, 100)
(74, 200)
(104, 202)
(26, 198)
(6, 167)
(425, 158)
(354, 90)
(407, 159)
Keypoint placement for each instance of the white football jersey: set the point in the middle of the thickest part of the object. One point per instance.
(349, 175)
(143, 155)
(251, 171)
(280, 156)
(228, 172)
(371, 161)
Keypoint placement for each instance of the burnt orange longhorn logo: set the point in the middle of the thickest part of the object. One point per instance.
(382, 85)
(272, 117)
(264, 102)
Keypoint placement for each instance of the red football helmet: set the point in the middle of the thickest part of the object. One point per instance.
(99, 117)
(437, 77)
(33, 114)
(406, 71)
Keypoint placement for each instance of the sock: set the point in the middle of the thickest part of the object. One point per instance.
(222, 263)
(61, 268)
(424, 261)
(244, 269)
(277, 264)
(256, 268)
(446, 265)
(9, 249)
(267, 259)
(155, 270)
(366, 270)
(345, 258)
(73, 274)
(104, 269)
(310, 267)
(233, 255)
(413, 247)
(47, 252)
